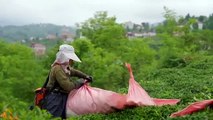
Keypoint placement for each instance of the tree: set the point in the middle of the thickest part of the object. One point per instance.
(169, 24)
(146, 26)
(187, 17)
(202, 18)
(209, 22)
(102, 30)
(106, 67)
(20, 73)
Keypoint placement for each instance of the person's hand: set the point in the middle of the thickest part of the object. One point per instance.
(79, 83)
(89, 79)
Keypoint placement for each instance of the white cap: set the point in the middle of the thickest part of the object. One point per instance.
(69, 52)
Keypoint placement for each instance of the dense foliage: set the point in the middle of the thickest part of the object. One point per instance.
(177, 63)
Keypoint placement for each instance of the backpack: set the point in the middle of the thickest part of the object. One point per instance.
(40, 94)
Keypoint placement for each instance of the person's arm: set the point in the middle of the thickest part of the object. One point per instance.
(77, 73)
(64, 80)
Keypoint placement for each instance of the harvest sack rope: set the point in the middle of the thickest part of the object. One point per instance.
(89, 99)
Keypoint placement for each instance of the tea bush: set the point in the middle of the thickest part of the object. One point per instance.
(190, 84)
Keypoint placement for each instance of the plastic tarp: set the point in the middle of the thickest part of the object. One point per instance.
(194, 107)
(89, 99)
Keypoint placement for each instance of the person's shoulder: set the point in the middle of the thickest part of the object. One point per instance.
(56, 68)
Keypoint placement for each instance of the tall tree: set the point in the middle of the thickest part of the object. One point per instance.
(169, 24)
(209, 23)
(103, 30)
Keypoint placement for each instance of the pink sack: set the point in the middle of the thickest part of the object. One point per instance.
(194, 107)
(88, 99)
(137, 96)
(93, 100)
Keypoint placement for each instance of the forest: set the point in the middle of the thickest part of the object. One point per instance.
(176, 63)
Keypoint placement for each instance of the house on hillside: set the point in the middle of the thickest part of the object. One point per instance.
(38, 48)
(67, 36)
(200, 25)
(51, 37)
(131, 35)
(148, 34)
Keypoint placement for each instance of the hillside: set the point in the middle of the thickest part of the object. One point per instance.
(33, 31)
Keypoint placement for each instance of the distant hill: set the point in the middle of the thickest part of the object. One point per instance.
(13, 33)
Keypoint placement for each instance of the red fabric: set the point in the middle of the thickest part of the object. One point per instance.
(160, 102)
(94, 100)
(40, 93)
(194, 107)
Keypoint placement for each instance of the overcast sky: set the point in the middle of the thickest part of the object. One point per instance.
(69, 12)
